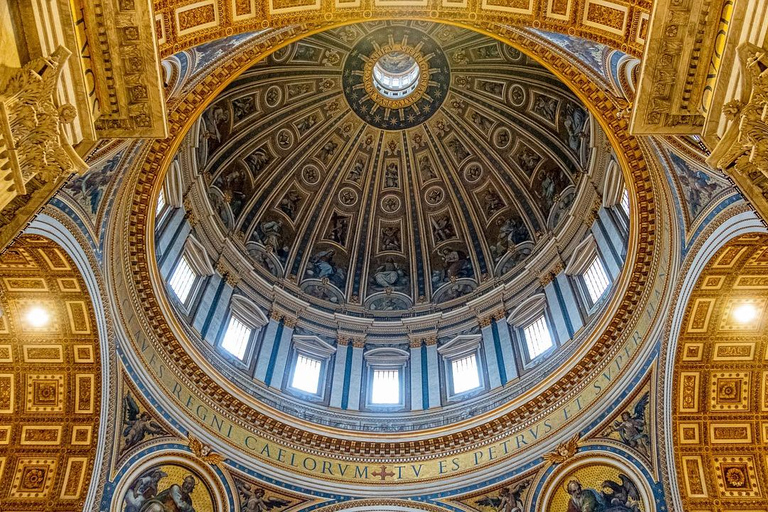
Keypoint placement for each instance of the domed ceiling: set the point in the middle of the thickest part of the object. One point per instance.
(393, 167)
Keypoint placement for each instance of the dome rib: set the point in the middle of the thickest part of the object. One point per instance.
(354, 215)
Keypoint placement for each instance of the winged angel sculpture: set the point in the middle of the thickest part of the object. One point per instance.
(632, 427)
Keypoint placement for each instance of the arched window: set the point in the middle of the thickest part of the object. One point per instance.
(245, 320)
(311, 358)
(186, 277)
(461, 356)
(537, 337)
(386, 377)
(533, 327)
(587, 269)
(183, 279)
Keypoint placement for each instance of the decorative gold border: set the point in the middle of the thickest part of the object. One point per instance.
(577, 19)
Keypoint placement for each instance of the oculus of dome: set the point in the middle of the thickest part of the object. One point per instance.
(396, 74)
(396, 77)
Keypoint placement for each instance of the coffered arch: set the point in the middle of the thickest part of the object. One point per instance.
(50, 378)
(181, 24)
(718, 402)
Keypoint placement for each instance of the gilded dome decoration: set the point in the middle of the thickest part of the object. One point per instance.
(400, 205)
(357, 238)
(395, 77)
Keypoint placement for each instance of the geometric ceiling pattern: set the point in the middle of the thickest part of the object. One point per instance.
(720, 394)
(181, 24)
(50, 379)
(304, 167)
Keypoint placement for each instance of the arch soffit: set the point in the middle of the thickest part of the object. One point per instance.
(134, 226)
(181, 25)
(709, 287)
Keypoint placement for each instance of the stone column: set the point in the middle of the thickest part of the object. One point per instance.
(611, 258)
(356, 374)
(339, 372)
(173, 239)
(562, 304)
(417, 397)
(568, 305)
(274, 329)
(500, 329)
(165, 236)
(216, 313)
(615, 232)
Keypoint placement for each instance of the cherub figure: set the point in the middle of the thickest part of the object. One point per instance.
(510, 498)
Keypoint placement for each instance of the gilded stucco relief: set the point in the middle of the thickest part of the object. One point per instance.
(50, 379)
(719, 383)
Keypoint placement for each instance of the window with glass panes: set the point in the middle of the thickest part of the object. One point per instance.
(537, 337)
(595, 279)
(182, 279)
(306, 374)
(236, 338)
(465, 373)
(385, 387)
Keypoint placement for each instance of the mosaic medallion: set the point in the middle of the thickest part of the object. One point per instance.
(396, 77)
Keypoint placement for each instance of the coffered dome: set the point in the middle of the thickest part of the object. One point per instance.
(395, 168)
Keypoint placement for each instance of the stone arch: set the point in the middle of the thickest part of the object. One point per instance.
(50, 376)
(717, 390)
(182, 25)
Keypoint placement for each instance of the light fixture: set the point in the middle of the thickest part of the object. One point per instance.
(37, 317)
(745, 313)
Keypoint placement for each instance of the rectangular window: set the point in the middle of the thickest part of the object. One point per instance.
(385, 387)
(160, 202)
(182, 279)
(306, 374)
(465, 374)
(596, 280)
(625, 201)
(537, 337)
(236, 338)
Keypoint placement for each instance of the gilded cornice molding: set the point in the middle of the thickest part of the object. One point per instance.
(35, 153)
(742, 153)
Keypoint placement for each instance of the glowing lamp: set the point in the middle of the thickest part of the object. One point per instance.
(745, 313)
(37, 317)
